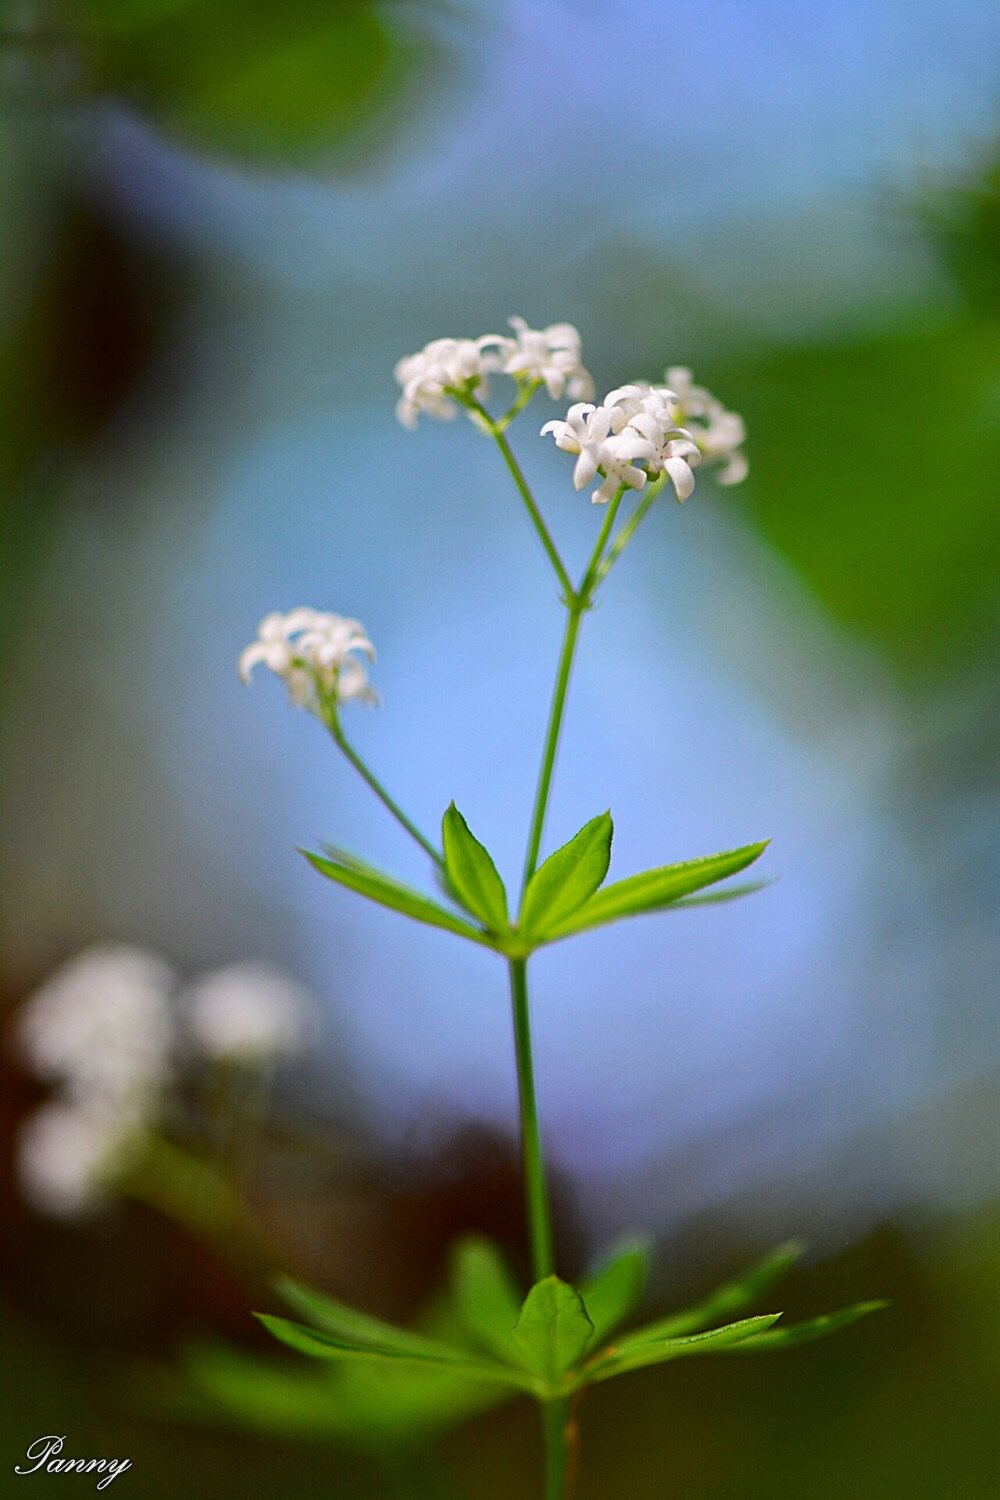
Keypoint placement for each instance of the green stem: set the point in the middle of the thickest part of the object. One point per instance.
(536, 1196)
(556, 1417)
(333, 724)
(544, 535)
(574, 612)
(587, 584)
(624, 536)
(525, 395)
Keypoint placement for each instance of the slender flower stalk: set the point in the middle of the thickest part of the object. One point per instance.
(563, 670)
(332, 721)
(561, 1338)
(577, 602)
(496, 431)
(628, 530)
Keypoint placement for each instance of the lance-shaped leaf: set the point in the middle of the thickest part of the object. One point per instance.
(719, 898)
(320, 1345)
(812, 1328)
(561, 885)
(732, 1297)
(257, 1391)
(388, 892)
(553, 1330)
(353, 1326)
(637, 1356)
(471, 873)
(654, 889)
(485, 1295)
(616, 1288)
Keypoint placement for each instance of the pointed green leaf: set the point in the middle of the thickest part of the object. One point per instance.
(717, 898)
(341, 856)
(353, 1326)
(471, 873)
(567, 878)
(388, 892)
(319, 1345)
(653, 890)
(637, 1356)
(732, 1297)
(813, 1328)
(616, 1288)
(259, 1392)
(486, 1295)
(553, 1330)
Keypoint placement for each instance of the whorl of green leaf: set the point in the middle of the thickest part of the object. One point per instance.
(471, 873)
(571, 875)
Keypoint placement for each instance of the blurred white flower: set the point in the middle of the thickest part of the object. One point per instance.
(551, 355)
(68, 1153)
(102, 1026)
(247, 1012)
(603, 442)
(312, 652)
(442, 366)
(718, 432)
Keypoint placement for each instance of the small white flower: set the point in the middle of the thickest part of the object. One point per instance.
(440, 367)
(313, 653)
(69, 1154)
(640, 424)
(650, 410)
(718, 432)
(102, 1026)
(605, 444)
(248, 1012)
(551, 355)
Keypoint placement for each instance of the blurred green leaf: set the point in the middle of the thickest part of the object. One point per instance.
(897, 538)
(471, 873)
(813, 1328)
(486, 1295)
(732, 1297)
(257, 79)
(654, 889)
(364, 1405)
(616, 1288)
(719, 898)
(637, 1356)
(266, 1394)
(320, 1345)
(553, 1330)
(567, 878)
(354, 1326)
(388, 892)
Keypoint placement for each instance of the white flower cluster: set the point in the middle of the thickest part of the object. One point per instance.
(445, 368)
(106, 1028)
(101, 1028)
(314, 653)
(636, 434)
(247, 1012)
(719, 433)
(69, 1154)
(548, 355)
(444, 365)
